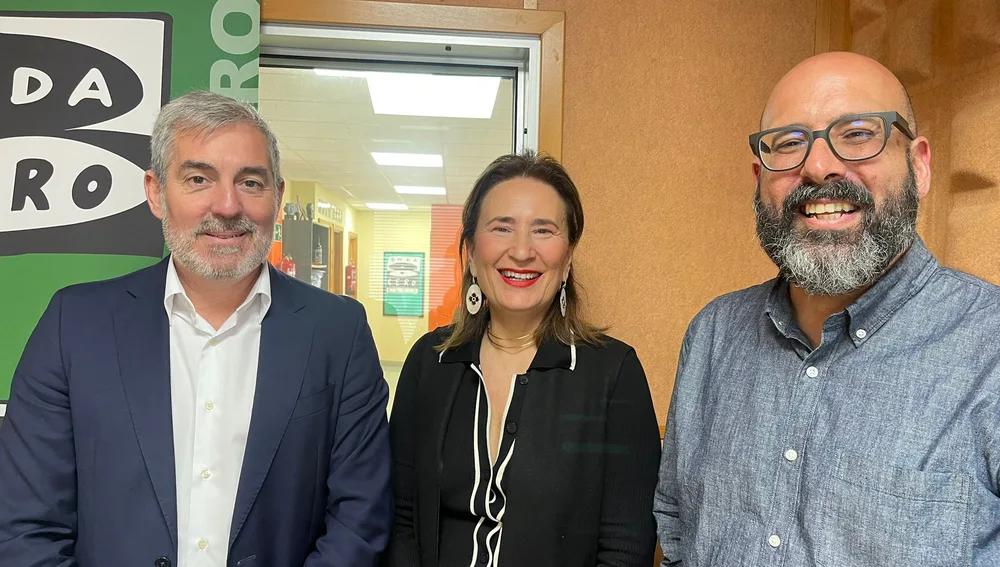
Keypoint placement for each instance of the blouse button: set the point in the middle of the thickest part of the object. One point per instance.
(511, 427)
(522, 380)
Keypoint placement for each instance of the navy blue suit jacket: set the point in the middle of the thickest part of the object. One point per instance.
(86, 452)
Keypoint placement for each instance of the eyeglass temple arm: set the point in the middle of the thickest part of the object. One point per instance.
(903, 126)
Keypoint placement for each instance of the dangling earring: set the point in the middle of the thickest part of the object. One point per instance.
(562, 299)
(474, 297)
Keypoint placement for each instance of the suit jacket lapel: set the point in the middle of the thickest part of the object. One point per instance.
(437, 400)
(285, 343)
(141, 332)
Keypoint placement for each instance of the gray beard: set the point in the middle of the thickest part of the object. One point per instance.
(833, 262)
(182, 246)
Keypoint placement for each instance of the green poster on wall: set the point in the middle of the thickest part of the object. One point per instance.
(403, 284)
(81, 82)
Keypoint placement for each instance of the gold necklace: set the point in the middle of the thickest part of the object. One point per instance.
(511, 349)
(489, 329)
(508, 348)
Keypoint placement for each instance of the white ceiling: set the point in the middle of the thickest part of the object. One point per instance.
(327, 130)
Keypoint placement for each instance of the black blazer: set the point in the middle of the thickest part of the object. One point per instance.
(580, 485)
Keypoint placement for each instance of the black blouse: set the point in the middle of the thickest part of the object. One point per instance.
(473, 501)
(576, 468)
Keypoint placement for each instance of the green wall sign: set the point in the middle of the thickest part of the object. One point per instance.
(403, 284)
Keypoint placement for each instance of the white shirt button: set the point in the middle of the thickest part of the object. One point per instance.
(861, 333)
(774, 541)
(202, 544)
(812, 372)
(791, 454)
(209, 406)
(206, 474)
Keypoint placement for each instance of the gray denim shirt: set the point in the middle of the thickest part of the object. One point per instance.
(880, 447)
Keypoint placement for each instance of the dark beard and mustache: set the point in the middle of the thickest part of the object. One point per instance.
(837, 262)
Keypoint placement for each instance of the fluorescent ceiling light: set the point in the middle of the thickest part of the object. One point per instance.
(386, 206)
(446, 96)
(418, 94)
(408, 160)
(417, 190)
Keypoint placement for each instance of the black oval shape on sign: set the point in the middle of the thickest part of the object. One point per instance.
(67, 64)
(83, 195)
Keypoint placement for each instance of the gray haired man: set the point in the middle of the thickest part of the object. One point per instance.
(206, 411)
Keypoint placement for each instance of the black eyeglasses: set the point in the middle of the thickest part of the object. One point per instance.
(852, 138)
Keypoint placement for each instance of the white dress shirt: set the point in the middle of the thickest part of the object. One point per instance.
(213, 376)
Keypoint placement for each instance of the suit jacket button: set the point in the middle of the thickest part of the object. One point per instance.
(522, 380)
(162, 561)
(483, 558)
(511, 427)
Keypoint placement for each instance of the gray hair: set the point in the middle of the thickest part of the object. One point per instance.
(205, 112)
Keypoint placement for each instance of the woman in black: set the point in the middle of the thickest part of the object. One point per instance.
(522, 435)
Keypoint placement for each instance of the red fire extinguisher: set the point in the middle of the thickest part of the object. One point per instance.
(351, 278)
(287, 265)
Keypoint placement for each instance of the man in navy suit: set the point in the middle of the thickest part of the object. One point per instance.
(209, 410)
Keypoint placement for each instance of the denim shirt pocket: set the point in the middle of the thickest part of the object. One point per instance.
(878, 515)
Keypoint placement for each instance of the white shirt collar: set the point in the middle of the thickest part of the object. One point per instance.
(175, 299)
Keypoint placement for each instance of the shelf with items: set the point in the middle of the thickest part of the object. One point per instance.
(296, 238)
(321, 256)
(307, 244)
(317, 248)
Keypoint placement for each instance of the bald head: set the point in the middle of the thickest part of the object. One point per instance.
(831, 84)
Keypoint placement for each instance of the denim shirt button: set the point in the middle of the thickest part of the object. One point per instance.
(774, 541)
(812, 372)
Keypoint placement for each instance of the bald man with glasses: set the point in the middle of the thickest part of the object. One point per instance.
(847, 412)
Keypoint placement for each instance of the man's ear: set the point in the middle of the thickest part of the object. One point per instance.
(920, 160)
(153, 189)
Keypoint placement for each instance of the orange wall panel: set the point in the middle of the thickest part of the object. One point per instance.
(445, 288)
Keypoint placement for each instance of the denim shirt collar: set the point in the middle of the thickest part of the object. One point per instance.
(872, 309)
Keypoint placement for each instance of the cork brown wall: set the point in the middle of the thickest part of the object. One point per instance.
(659, 100)
(947, 53)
